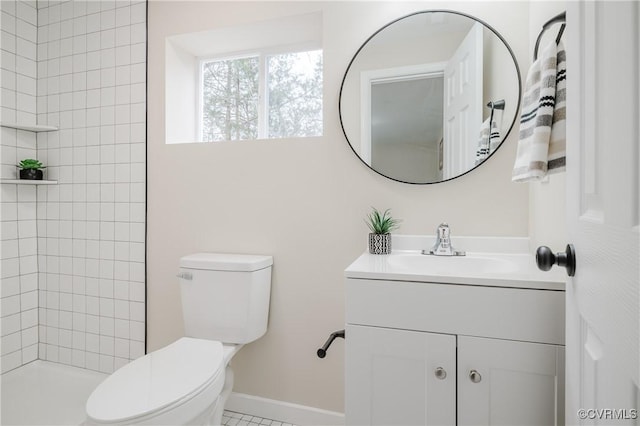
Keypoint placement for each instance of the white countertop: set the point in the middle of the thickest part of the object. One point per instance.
(516, 268)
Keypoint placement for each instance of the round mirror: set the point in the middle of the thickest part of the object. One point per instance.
(429, 97)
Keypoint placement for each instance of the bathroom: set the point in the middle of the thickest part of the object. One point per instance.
(300, 200)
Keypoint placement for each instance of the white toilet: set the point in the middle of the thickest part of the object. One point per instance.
(225, 303)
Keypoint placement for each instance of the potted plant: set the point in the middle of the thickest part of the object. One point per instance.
(31, 169)
(381, 226)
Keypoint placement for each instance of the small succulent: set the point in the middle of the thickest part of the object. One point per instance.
(30, 163)
(381, 223)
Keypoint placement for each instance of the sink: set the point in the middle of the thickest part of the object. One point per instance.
(490, 261)
(446, 265)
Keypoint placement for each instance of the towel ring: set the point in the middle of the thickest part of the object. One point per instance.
(562, 17)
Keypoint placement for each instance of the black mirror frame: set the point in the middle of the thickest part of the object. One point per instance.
(515, 117)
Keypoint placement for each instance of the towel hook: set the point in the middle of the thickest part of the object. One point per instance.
(561, 17)
(496, 104)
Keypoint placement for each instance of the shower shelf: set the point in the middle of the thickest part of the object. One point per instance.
(30, 127)
(29, 182)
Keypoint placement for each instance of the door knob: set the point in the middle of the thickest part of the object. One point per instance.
(546, 259)
(441, 373)
(474, 376)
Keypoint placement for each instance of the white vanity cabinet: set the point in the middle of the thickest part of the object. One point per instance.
(429, 353)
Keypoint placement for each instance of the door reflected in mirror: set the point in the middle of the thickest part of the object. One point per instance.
(414, 99)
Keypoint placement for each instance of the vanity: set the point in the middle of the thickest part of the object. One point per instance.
(435, 340)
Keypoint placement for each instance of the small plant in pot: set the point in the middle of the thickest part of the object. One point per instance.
(31, 169)
(381, 225)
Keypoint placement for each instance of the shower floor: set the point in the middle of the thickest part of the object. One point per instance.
(46, 393)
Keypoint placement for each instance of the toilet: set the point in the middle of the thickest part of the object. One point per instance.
(225, 304)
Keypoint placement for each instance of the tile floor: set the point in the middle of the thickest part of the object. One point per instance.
(231, 418)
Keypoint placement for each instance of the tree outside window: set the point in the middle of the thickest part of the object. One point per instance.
(290, 105)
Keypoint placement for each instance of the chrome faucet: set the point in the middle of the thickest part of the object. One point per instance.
(443, 247)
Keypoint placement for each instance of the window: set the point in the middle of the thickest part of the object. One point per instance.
(266, 95)
(245, 81)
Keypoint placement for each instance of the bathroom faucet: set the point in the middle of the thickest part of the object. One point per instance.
(443, 247)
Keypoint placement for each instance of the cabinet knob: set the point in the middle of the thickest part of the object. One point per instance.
(441, 373)
(474, 376)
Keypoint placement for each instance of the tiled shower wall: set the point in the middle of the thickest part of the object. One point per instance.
(91, 77)
(19, 310)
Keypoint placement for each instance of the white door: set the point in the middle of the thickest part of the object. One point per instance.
(504, 382)
(603, 60)
(463, 104)
(399, 377)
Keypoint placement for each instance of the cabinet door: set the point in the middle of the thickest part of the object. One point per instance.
(504, 382)
(392, 377)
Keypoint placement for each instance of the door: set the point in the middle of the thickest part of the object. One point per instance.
(602, 212)
(463, 104)
(505, 382)
(399, 377)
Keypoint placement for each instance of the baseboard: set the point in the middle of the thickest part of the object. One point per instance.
(285, 412)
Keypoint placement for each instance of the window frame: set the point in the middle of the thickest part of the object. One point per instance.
(263, 82)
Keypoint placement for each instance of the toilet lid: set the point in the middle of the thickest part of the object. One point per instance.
(157, 380)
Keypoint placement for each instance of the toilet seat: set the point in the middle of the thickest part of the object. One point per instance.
(176, 381)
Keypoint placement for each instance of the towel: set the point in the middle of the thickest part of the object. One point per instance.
(558, 144)
(539, 114)
(488, 141)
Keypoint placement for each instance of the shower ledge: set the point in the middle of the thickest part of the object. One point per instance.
(30, 127)
(29, 182)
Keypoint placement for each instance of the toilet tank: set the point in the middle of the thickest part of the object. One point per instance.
(225, 297)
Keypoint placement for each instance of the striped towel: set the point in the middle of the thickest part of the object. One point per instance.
(488, 142)
(538, 115)
(557, 159)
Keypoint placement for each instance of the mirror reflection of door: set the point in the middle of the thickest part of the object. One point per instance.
(406, 126)
(463, 104)
(420, 123)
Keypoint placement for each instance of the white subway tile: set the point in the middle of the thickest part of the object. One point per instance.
(137, 330)
(138, 33)
(93, 305)
(78, 339)
(11, 324)
(107, 39)
(29, 300)
(66, 10)
(66, 29)
(106, 308)
(92, 342)
(78, 358)
(107, 364)
(28, 282)
(121, 329)
(66, 324)
(106, 288)
(108, 79)
(64, 355)
(10, 343)
(123, 76)
(13, 359)
(93, 24)
(92, 360)
(10, 287)
(29, 318)
(107, 19)
(52, 352)
(106, 328)
(136, 349)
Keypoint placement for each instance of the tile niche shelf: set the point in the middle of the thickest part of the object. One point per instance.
(29, 181)
(30, 127)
